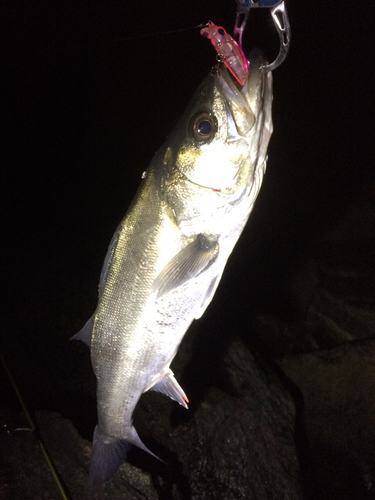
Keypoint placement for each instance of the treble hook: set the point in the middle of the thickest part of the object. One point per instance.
(280, 18)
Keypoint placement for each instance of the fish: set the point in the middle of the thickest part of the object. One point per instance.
(168, 254)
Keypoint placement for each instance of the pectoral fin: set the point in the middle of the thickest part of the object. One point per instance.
(187, 264)
(169, 386)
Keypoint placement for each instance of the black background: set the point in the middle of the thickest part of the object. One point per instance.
(91, 90)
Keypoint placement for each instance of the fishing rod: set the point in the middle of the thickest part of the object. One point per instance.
(65, 495)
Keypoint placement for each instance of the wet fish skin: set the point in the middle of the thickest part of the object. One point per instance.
(168, 254)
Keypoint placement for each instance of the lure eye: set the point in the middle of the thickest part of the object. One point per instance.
(203, 127)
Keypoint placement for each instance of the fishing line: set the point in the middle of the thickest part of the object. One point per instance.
(65, 495)
(159, 33)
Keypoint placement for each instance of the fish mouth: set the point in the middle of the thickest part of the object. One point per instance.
(243, 103)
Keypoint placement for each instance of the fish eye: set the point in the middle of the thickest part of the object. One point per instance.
(203, 127)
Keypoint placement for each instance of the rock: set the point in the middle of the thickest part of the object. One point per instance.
(338, 386)
(246, 446)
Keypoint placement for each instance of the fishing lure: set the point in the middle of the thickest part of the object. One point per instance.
(228, 51)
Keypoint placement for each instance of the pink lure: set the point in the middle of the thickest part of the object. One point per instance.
(228, 50)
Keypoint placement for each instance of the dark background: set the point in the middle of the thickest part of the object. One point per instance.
(89, 93)
(90, 90)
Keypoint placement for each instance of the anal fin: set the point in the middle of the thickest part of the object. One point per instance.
(169, 386)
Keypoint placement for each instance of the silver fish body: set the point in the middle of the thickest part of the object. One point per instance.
(167, 257)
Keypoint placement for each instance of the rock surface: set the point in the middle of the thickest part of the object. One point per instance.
(338, 386)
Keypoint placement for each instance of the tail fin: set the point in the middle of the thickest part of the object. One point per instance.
(107, 456)
(133, 438)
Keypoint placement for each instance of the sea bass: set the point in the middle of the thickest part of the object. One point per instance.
(168, 254)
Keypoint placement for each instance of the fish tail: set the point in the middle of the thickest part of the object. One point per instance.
(107, 456)
(133, 438)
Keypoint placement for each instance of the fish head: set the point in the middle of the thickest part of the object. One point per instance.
(223, 135)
